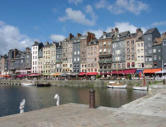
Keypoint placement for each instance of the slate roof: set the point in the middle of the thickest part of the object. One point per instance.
(150, 31)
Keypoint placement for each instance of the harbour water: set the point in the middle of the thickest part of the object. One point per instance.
(42, 97)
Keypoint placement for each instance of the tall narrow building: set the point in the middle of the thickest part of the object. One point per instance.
(149, 39)
(36, 47)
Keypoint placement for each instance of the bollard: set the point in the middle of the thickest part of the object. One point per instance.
(144, 80)
(164, 82)
(91, 98)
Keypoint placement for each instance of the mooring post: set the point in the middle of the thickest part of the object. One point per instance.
(164, 82)
(91, 98)
(144, 80)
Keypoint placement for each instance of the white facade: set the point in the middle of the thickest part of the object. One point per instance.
(35, 50)
(140, 60)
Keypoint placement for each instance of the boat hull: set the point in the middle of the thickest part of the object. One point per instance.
(145, 88)
(117, 87)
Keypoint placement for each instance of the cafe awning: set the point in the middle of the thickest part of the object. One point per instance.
(82, 74)
(5, 76)
(151, 71)
(56, 74)
(21, 75)
(161, 72)
(127, 71)
(105, 73)
(117, 72)
(92, 73)
(34, 74)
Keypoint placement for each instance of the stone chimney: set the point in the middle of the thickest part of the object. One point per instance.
(116, 30)
(138, 30)
(28, 50)
(79, 35)
(91, 36)
(71, 36)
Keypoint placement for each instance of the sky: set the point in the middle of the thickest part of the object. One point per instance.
(24, 21)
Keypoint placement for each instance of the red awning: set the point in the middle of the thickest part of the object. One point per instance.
(92, 73)
(21, 75)
(129, 71)
(34, 74)
(82, 74)
(117, 72)
(104, 73)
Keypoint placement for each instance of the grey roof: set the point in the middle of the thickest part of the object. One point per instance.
(108, 35)
(124, 34)
(150, 31)
(93, 42)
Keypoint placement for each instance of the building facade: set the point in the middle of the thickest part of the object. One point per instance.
(76, 54)
(105, 51)
(92, 64)
(4, 65)
(58, 57)
(149, 38)
(118, 51)
(67, 53)
(164, 53)
(36, 47)
(140, 60)
(130, 48)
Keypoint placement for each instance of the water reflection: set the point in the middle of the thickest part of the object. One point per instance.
(37, 98)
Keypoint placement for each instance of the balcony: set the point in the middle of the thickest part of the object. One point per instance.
(105, 61)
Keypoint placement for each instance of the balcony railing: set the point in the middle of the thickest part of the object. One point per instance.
(105, 61)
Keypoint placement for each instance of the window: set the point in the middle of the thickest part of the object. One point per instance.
(105, 50)
(104, 43)
(155, 57)
(154, 50)
(164, 43)
(100, 50)
(150, 51)
(128, 43)
(150, 59)
(159, 50)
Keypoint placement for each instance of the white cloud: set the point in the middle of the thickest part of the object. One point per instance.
(120, 6)
(101, 4)
(10, 37)
(161, 23)
(79, 17)
(122, 26)
(90, 11)
(56, 37)
(75, 1)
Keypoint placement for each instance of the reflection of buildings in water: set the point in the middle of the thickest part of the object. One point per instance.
(117, 97)
(84, 96)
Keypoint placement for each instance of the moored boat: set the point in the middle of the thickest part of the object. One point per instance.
(27, 83)
(143, 88)
(116, 85)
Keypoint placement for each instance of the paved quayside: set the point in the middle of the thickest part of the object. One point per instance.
(149, 111)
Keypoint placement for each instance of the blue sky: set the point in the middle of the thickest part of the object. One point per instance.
(23, 21)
